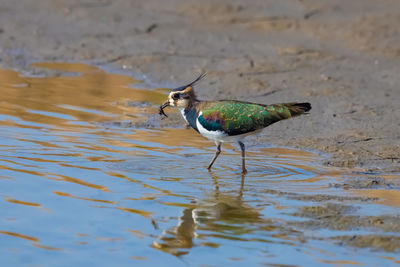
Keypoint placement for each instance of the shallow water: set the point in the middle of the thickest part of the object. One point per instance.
(82, 184)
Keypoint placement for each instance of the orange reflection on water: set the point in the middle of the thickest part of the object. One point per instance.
(385, 196)
(145, 214)
(341, 262)
(90, 94)
(15, 201)
(45, 247)
(82, 198)
(65, 178)
(27, 237)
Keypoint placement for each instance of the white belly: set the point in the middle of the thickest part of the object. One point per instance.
(216, 136)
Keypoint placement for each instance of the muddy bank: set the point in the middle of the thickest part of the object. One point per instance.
(343, 57)
(339, 217)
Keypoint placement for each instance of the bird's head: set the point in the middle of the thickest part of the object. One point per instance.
(181, 97)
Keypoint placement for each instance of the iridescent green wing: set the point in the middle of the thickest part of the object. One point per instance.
(233, 117)
(236, 117)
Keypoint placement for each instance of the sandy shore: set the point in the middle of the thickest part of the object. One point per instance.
(341, 56)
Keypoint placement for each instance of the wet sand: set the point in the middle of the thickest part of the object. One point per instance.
(341, 56)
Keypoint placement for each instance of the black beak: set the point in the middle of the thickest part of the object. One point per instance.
(161, 109)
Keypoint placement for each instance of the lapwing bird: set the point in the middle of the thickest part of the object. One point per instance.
(228, 120)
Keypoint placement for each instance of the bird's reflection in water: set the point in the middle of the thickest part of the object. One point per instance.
(218, 212)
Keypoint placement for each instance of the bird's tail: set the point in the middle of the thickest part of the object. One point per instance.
(283, 111)
(298, 108)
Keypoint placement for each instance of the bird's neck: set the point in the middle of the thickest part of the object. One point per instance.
(190, 115)
(192, 102)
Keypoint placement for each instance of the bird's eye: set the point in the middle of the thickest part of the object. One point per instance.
(176, 96)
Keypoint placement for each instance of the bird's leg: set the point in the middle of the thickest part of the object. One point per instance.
(243, 157)
(216, 155)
